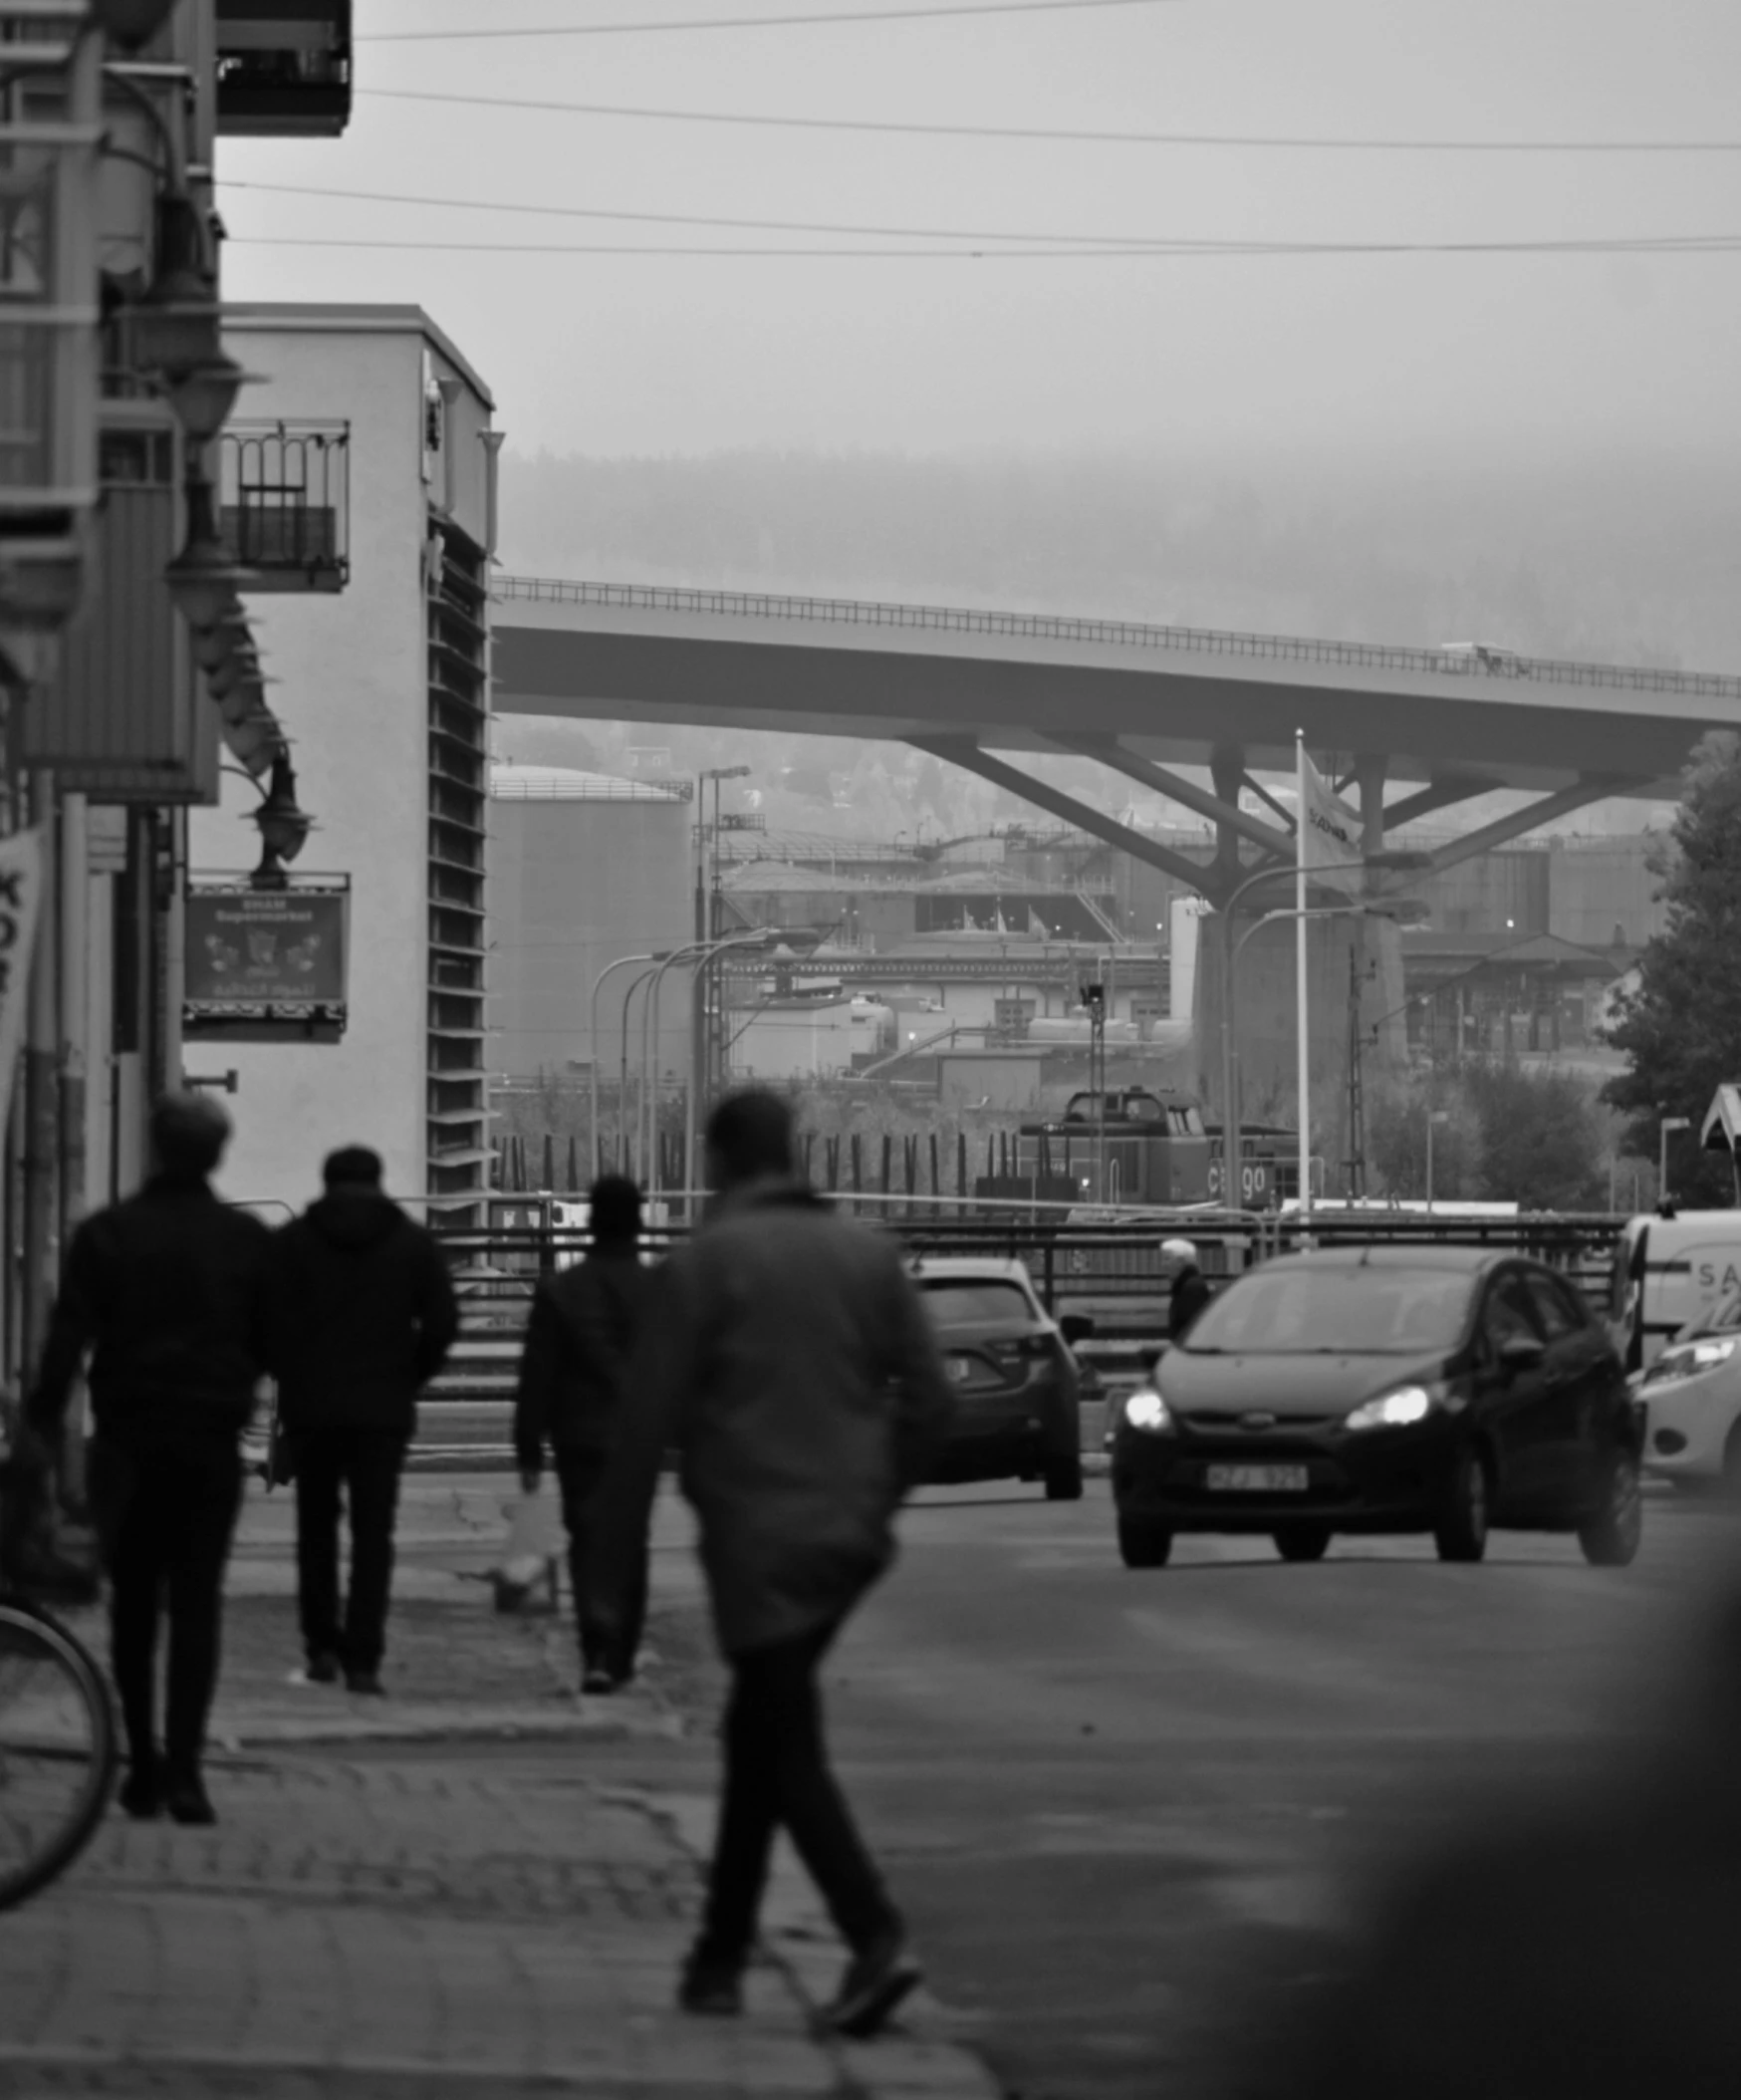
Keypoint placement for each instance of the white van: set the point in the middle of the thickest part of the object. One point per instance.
(1669, 1271)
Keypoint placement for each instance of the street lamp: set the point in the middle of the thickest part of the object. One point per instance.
(1668, 1124)
(621, 963)
(1434, 1116)
(283, 823)
(1399, 861)
(766, 938)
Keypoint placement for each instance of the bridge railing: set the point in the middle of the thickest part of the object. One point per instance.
(1474, 663)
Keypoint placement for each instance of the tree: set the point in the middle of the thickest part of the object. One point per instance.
(1680, 1030)
(1541, 1139)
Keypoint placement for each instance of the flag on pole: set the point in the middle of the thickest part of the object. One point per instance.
(21, 883)
(1330, 832)
(1304, 831)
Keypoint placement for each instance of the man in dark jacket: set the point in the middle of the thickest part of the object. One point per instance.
(1189, 1291)
(363, 1316)
(581, 1332)
(169, 1292)
(792, 1365)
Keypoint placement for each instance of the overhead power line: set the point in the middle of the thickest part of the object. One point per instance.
(695, 218)
(949, 9)
(1057, 134)
(1121, 244)
(1615, 245)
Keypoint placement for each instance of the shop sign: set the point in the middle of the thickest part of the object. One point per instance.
(265, 963)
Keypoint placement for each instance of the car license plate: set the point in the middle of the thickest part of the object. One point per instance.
(1255, 1479)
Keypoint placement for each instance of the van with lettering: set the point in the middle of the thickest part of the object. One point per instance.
(1670, 1273)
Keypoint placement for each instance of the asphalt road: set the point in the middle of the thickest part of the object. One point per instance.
(1131, 1815)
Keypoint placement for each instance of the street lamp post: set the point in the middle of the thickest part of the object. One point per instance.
(703, 966)
(627, 1162)
(1668, 1124)
(621, 963)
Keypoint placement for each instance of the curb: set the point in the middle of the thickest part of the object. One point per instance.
(444, 1725)
(921, 2058)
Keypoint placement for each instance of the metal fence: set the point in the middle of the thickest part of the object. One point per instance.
(1113, 1269)
(1482, 664)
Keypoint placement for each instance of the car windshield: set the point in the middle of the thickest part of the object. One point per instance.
(1331, 1311)
(976, 1302)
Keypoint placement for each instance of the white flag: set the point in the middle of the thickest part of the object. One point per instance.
(20, 908)
(1331, 833)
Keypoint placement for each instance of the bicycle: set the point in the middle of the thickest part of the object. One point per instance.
(59, 1746)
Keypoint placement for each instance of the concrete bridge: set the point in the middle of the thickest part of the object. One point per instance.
(1415, 730)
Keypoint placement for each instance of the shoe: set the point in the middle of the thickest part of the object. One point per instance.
(188, 1800)
(876, 1981)
(710, 1985)
(141, 1794)
(322, 1668)
(598, 1684)
(364, 1683)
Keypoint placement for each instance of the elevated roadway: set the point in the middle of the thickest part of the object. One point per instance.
(1015, 682)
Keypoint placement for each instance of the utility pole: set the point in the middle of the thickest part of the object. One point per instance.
(1356, 1109)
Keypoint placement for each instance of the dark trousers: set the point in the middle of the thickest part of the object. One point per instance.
(578, 1474)
(334, 1469)
(165, 1512)
(777, 1775)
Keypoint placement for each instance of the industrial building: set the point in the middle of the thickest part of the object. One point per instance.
(586, 872)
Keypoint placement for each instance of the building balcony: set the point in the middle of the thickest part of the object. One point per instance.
(285, 504)
(284, 68)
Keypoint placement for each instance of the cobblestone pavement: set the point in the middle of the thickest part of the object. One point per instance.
(399, 1929)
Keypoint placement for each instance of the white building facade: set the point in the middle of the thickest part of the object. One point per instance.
(387, 696)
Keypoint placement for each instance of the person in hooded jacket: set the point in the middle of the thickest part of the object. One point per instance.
(362, 1315)
(580, 1337)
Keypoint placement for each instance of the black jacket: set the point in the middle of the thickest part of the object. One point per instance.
(168, 1290)
(583, 1330)
(362, 1314)
(1190, 1293)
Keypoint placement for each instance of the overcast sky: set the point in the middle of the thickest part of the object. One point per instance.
(1474, 358)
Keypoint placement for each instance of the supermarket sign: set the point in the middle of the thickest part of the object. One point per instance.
(266, 965)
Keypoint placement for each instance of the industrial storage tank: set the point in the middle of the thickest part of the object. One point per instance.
(582, 869)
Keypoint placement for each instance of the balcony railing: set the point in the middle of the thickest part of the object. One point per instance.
(284, 68)
(286, 503)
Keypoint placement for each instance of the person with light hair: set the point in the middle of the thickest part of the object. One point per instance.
(1189, 1287)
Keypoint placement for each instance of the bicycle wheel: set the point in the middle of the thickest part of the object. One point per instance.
(57, 1749)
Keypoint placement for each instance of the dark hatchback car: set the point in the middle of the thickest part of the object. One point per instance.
(1017, 1387)
(1384, 1390)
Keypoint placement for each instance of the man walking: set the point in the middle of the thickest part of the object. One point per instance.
(168, 1291)
(792, 1365)
(580, 1337)
(362, 1317)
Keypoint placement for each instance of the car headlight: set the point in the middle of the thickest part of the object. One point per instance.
(1399, 1409)
(1688, 1359)
(1147, 1411)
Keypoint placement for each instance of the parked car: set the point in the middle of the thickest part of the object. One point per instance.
(1016, 1381)
(1691, 1402)
(1443, 1390)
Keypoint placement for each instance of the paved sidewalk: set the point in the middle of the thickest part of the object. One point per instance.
(449, 1924)
(397, 1930)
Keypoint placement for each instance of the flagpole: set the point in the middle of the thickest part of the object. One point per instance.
(1302, 820)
